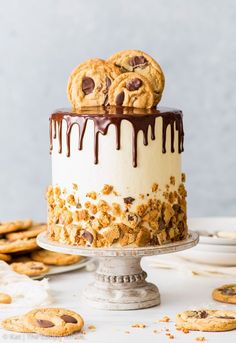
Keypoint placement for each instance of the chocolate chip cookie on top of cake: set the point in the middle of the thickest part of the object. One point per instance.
(116, 158)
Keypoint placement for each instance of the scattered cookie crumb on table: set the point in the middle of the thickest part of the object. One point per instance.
(200, 339)
(139, 325)
(92, 327)
(165, 319)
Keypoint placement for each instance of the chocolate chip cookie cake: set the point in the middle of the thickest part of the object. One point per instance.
(116, 158)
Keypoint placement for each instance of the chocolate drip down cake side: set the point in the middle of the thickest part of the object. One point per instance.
(116, 158)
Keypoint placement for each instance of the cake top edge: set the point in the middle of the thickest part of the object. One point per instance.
(107, 111)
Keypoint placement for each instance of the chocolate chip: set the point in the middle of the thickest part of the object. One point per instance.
(108, 82)
(130, 217)
(36, 268)
(134, 84)
(137, 60)
(161, 224)
(128, 200)
(203, 314)
(87, 85)
(176, 208)
(227, 291)
(68, 319)
(87, 236)
(45, 323)
(105, 101)
(120, 98)
(225, 317)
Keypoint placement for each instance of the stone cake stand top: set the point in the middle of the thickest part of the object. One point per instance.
(48, 244)
(120, 282)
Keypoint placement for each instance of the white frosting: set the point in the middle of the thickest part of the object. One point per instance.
(115, 166)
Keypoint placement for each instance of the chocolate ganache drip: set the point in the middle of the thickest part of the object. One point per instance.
(103, 117)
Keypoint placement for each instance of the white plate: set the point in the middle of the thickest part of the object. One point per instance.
(64, 269)
(212, 225)
(215, 248)
(213, 258)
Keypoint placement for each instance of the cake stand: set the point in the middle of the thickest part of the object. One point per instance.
(120, 280)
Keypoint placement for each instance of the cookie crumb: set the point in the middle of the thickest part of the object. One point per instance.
(184, 330)
(165, 319)
(128, 332)
(107, 189)
(92, 195)
(183, 177)
(92, 327)
(75, 186)
(138, 325)
(154, 187)
(200, 339)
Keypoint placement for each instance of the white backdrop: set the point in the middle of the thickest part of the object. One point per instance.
(42, 41)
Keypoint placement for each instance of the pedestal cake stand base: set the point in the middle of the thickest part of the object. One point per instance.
(120, 282)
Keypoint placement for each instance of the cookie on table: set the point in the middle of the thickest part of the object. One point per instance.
(143, 64)
(30, 268)
(5, 257)
(16, 225)
(207, 320)
(53, 321)
(18, 245)
(89, 83)
(5, 298)
(131, 90)
(28, 233)
(225, 294)
(15, 324)
(54, 258)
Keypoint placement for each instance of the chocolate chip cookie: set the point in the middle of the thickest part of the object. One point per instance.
(53, 321)
(5, 257)
(30, 268)
(5, 298)
(207, 320)
(225, 294)
(54, 258)
(131, 90)
(28, 233)
(15, 324)
(89, 83)
(18, 245)
(16, 225)
(143, 64)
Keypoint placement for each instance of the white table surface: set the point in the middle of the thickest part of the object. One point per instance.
(179, 292)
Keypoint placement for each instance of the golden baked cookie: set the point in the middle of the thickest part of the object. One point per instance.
(28, 233)
(53, 321)
(5, 298)
(54, 258)
(89, 83)
(5, 257)
(207, 320)
(15, 324)
(141, 63)
(131, 90)
(19, 245)
(16, 225)
(225, 294)
(30, 268)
